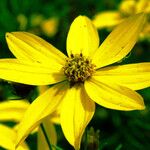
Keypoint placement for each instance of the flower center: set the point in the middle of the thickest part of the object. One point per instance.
(78, 68)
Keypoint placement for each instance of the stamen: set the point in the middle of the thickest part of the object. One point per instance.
(78, 68)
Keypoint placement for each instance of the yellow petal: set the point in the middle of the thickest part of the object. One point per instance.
(77, 111)
(142, 6)
(41, 107)
(119, 42)
(55, 116)
(42, 89)
(106, 19)
(114, 96)
(8, 137)
(23, 146)
(13, 110)
(51, 133)
(28, 47)
(13, 70)
(134, 76)
(82, 37)
(16, 127)
(128, 7)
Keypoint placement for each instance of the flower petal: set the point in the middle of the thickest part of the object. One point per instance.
(134, 76)
(23, 146)
(32, 74)
(28, 47)
(51, 133)
(107, 19)
(41, 107)
(119, 42)
(114, 96)
(82, 37)
(55, 116)
(13, 110)
(76, 112)
(7, 139)
(42, 89)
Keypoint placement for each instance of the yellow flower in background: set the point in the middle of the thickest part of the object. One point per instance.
(129, 7)
(7, 139)
(23, 21)
(42, 25)
(39, 24)
(82, 78)
(51, 133)
(13, 110)
(109, 19)
(49, 26)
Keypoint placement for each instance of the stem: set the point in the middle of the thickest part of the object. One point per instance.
(85, 144)
(56, 147)
(46, 137)
(44, 132)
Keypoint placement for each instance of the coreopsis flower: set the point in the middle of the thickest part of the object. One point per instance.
(8, 137)
(13, 110)
(80, 79)
(109, 19)
(41, 25)
(38, 24)
(50, 26)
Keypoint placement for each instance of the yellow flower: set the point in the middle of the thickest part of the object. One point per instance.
(109, 19)
(8, 137)
(128, 7)
(13, 110)
(42, 25)
(49, 26)
(82, 78)
(39, 24)
(23, 21)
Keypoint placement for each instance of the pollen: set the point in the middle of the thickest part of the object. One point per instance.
(78, 68)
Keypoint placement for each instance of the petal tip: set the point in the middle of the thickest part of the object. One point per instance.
(7, 34)
(142, 107)
(81, 17)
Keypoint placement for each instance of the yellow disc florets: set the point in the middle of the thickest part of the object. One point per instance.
(78, 68)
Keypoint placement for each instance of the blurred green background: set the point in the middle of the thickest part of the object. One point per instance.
(119, 130)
